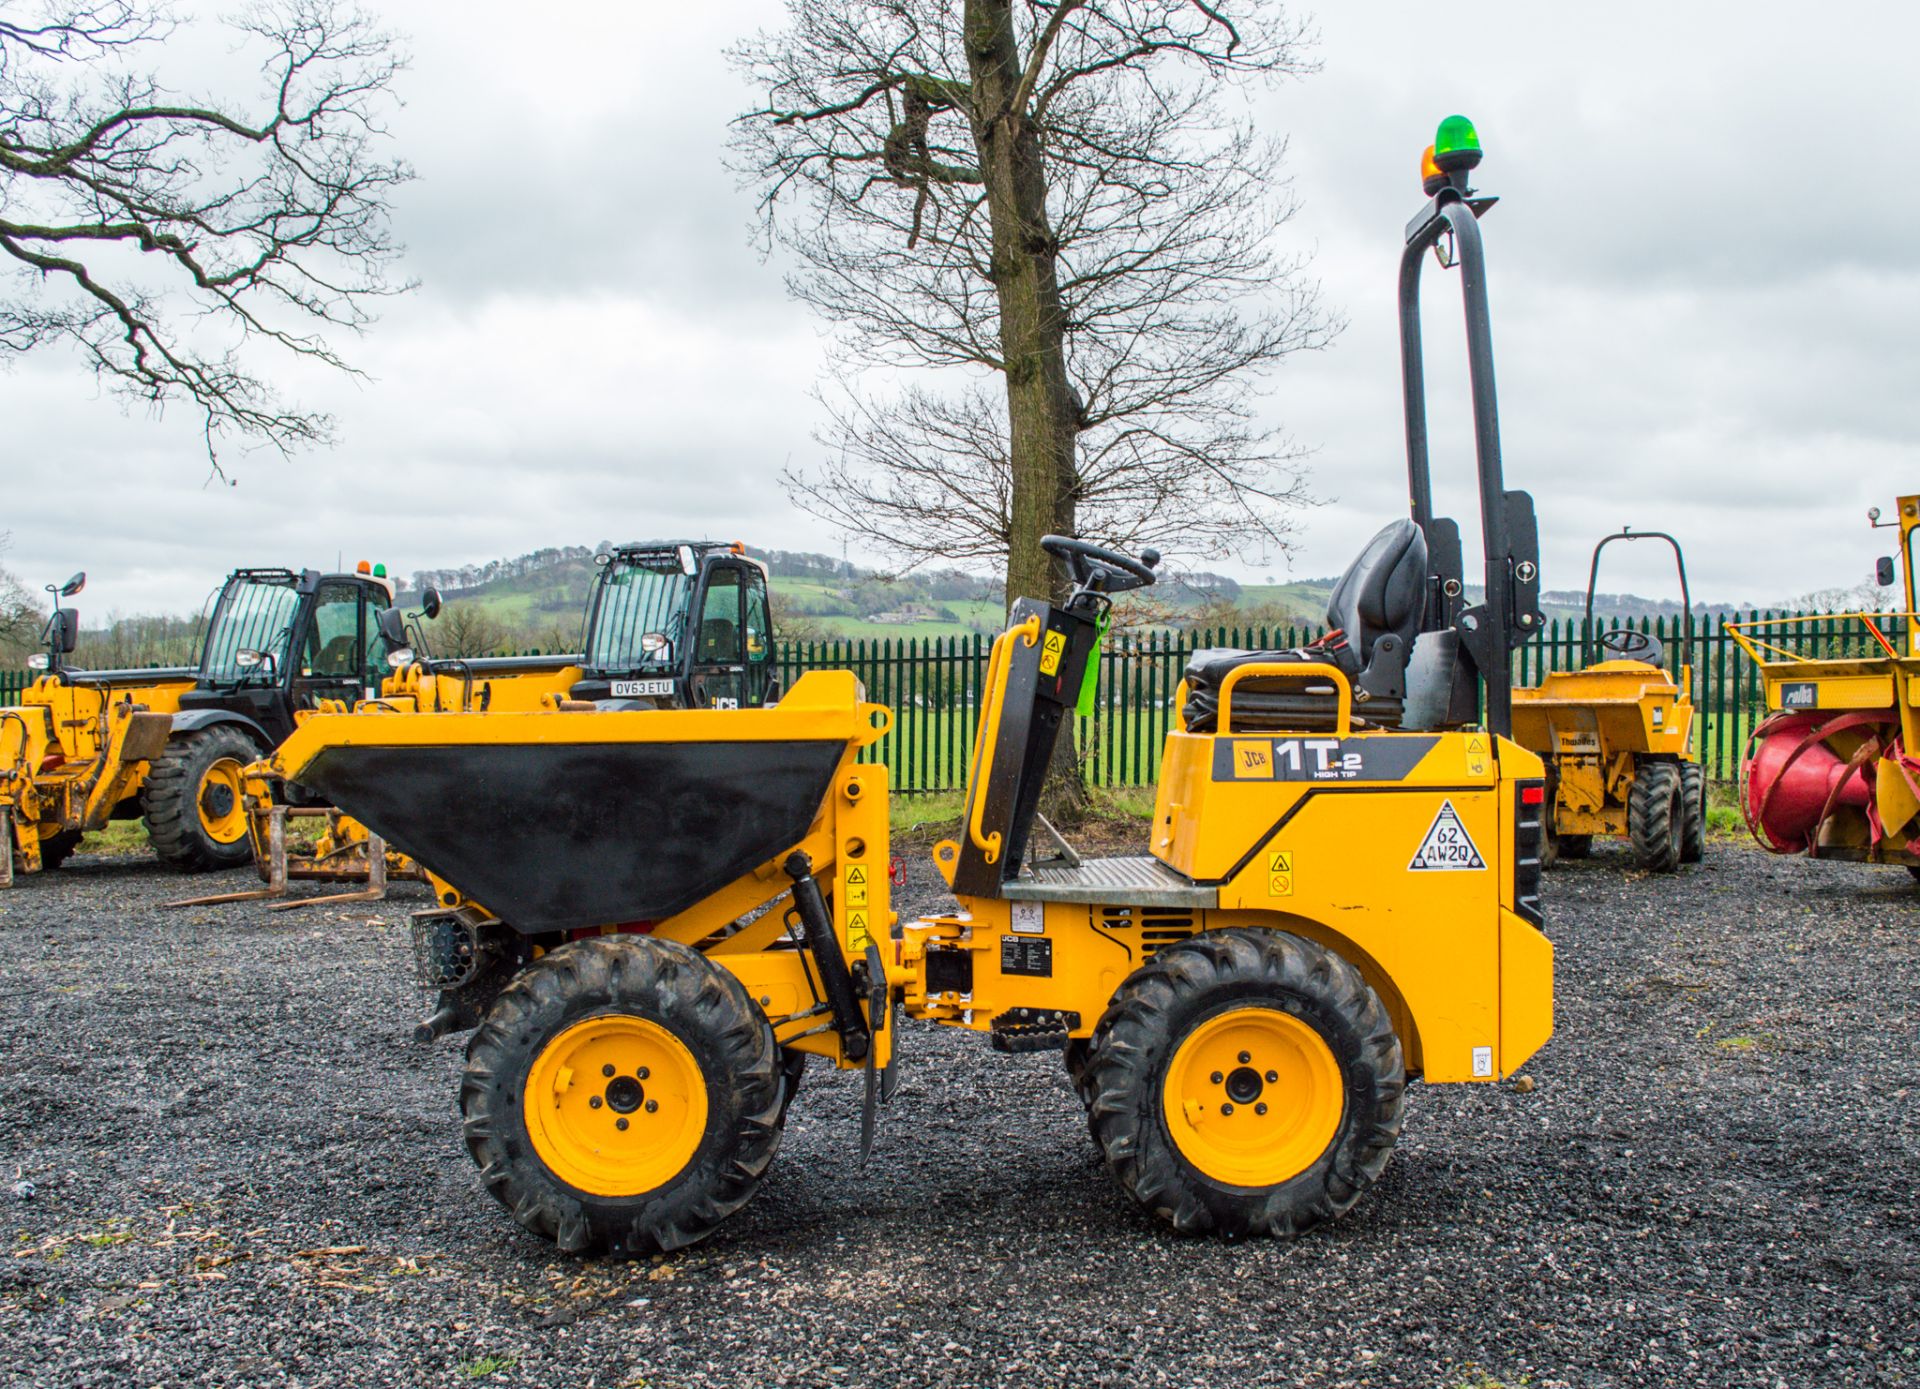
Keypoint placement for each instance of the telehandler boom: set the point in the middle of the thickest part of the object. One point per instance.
(1339, 891)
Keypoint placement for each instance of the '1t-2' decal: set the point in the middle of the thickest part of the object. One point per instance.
(1318, 759)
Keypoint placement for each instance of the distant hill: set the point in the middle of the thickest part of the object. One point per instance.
(537, 600)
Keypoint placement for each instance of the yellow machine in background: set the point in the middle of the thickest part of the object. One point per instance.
(1618, 738)
(1833, 771)
(652, 922)
(169, 745)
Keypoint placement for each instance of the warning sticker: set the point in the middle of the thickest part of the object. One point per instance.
(1050, 653)
(854, 880)
(1280, 873)
(1447, 848)
(1476, 756)
(1030, 918)
(857, 934)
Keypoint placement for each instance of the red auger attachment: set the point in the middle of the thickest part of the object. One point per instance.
(1835, 785)
(1802, 769)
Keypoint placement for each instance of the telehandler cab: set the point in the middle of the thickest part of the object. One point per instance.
(85, 747)
(1339, 889)
(1833, 771)
(1617, 736)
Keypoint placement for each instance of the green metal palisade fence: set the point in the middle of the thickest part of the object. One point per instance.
(933, 685)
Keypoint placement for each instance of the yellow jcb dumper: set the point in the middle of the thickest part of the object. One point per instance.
(1833, 770)
(654, 921)
(1617, 736)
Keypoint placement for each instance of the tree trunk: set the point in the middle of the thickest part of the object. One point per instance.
(1042, 418)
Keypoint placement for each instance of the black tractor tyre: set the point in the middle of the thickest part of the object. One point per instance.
(673, 988)
(1693, 824)
(1656, 815)
(170, 802)
(1185, 986)
(56, 848)
(1573, 845)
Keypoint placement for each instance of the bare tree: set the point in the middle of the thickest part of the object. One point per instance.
(162, 235)
(465, 628)
(20, 616)
(1052, 198)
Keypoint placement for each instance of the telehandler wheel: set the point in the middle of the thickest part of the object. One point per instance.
(1249, 1082)
(193, 802)
(1693, 822)
(56, 848)
(1573, 845)
(1656, 814)
(624, 1094)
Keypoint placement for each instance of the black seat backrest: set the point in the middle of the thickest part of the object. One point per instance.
(717, 641)
(1383, 590)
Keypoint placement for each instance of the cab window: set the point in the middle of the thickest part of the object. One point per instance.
(758, 647)
(719, 642)
(372, 605)
(333, 641)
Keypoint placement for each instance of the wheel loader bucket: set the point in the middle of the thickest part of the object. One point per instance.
(564, 820)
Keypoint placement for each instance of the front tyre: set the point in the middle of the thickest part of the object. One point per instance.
(194, 801)
(1693, 823)
(1247, 1082)
(622, 1094)
(1656, 815)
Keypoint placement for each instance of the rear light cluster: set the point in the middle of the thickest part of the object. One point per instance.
(1529, 842)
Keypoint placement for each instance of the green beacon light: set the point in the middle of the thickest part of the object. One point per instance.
(1456, 145)
(379, 571)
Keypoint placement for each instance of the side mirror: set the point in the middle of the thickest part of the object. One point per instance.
(430, 603)
(1883, 571)
(74, 585)
(393, 626)
(66, 634)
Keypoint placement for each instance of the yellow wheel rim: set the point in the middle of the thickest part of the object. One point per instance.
(616, 1105)
(223, 810)
(1253, 1097)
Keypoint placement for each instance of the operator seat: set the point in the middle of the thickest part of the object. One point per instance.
(717, 641)
(1373, 616)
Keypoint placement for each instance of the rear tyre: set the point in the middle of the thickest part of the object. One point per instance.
(1247, 1082)
(1693, 823)
(1574, 845)
(623, 1094)
(1655, 814)
(195, 812)
(55, 849)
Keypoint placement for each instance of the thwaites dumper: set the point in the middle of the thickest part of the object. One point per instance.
(670, 624)
(169, 745)
(1833, 770)
(654, 921)
(1617, 736)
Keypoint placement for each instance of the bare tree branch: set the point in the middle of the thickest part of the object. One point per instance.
(164, 237)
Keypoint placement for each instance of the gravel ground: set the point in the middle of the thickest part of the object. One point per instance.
(228, 1165)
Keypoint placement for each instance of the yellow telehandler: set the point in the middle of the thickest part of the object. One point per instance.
(83, 747)
(653, 922)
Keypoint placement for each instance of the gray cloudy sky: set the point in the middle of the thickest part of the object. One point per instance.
(1704, 305)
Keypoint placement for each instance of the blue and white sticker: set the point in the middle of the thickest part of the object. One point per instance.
(1447, 847)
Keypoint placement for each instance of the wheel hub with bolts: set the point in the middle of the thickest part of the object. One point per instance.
(1253, 1096)
(615, 1105)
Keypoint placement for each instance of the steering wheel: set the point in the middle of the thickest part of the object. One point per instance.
(1098, 569)
(1629, 645)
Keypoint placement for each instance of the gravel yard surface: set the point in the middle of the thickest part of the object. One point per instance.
(222, 1162)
